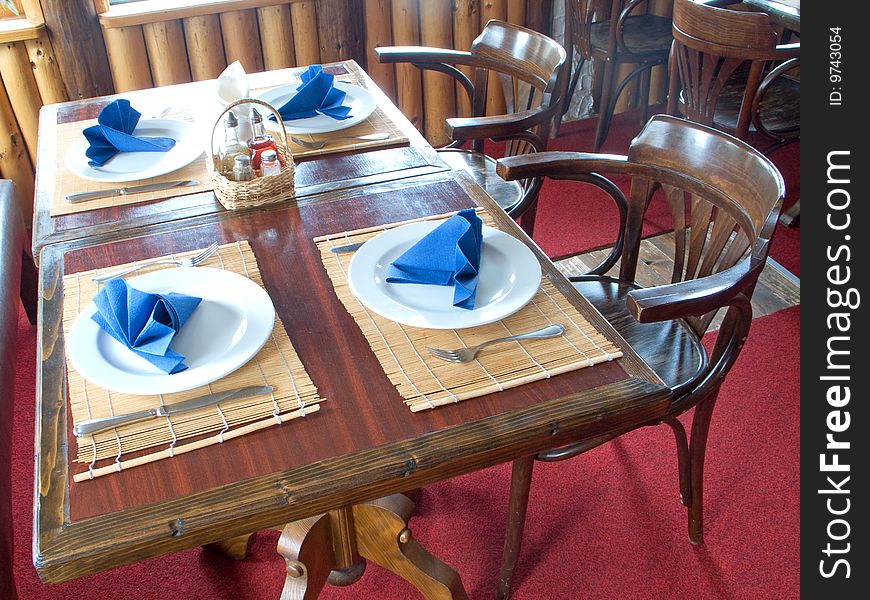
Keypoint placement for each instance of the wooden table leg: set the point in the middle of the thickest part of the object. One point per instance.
(237, 547)
(333, 547)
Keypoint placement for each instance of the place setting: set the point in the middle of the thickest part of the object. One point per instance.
(455, 308)
(162, 360)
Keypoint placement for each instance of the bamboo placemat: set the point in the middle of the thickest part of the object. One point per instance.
(337, 141)
(425, 381)
(276, 364)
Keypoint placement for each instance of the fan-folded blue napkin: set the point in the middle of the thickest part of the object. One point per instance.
(448, 255)
(315, 95)
(145, 323)
(113, 134)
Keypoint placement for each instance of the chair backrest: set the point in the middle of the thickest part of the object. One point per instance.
(710, 45)
(529, 66)
(11, 238)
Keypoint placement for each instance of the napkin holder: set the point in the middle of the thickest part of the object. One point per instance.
(260, 190)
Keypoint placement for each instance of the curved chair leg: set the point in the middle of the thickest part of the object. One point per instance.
(604, 107)
(684, 465)
(697, 449)
(29, 285)
(521, 483)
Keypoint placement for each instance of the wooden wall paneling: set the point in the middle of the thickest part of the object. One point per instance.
(516, 12)
(21, 90)
(167, 52)
(495, 104)
(340, 29)
(466, 27)
(242, 39)
(14, 162)
(436, 30)
(46, 71)
(77, 40)
(539, 16)
(659, 79)
(379, 32)
(276, 37)
(128, 58)
(303, 15)
(205, 46)
(406, 32)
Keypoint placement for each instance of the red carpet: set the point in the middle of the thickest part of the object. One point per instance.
(606, 525)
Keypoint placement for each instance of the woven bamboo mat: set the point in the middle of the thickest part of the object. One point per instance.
(69, 183)
(426, 382)
(276, 364)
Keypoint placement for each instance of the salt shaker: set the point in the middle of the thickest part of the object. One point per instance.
(242, 170)
(269, 164)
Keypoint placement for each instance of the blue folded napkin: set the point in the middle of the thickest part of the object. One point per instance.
(113, 134)
(315, 95)
(145, 323)
(448, 255)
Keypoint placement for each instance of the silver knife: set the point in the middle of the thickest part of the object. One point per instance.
(96, 425)
(348, 248)
(134, 189)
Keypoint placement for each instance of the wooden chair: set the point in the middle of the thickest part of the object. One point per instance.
(17, 279)
(624, 34)
(725, 197)
(530, 66)
(720, 76)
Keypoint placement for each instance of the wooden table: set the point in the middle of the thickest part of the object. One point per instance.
(314, 176)
(786, 13)
(332, 475)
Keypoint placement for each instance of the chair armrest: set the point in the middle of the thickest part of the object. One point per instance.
(496, 126)
(421, 54)
(692, 298)
(559, 165)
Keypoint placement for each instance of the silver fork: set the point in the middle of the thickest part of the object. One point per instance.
(190, 261)
(461, 355)
(321, 143)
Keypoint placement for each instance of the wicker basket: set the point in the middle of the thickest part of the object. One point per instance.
(260, 190)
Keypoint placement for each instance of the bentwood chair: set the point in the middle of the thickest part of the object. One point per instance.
(720, 74)
(17, 279)
(725, 197)
(530, 67)
(621, 33)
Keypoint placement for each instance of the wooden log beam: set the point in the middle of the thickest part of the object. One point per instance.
(167, 52)
(466, 27)
(205, 46)
(46, 71)
(75, 35)
(128, 58)
(21, 89)
(303, 15)
(340, 30)
(406, 32)
(242, 39)
(379, 32)
(495, 103)
(14, 162)
(436, 30)
(276, 37)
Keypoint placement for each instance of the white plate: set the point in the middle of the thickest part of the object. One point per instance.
(361, 103)
(133, 166)
(509, 277)
(233, 321)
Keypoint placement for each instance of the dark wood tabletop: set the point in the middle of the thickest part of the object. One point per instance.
(313, 175)
(364, 443)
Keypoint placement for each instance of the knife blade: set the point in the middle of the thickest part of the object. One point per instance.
(93, 426)
(134, 189)
(348, 248)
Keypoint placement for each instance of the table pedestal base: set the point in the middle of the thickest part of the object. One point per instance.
(335, 546)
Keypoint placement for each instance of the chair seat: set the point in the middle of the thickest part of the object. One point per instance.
(482, 168)
(670, 348)
(647, 36)
(779, 110)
